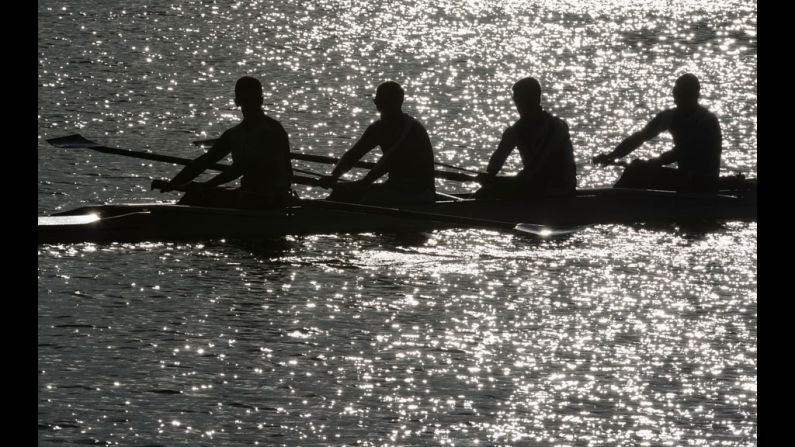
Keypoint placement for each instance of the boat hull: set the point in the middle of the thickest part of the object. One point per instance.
(163, 222)
(614, 206)
(167, 222)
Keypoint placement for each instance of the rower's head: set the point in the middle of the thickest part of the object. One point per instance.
(527, 96)
(389, 98)
(248, 93)
(686, 90)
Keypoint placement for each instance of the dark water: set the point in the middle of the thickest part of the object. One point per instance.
(613, 336)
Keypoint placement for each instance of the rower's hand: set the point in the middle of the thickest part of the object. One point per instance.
(604, 159)
(193, 186)
(484, 178)
(327, 181)
(638, 163)
(162, 185)
(165, 186)
(349, 189)
(351, 186)
(653, 162)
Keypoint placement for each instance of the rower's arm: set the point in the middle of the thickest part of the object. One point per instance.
(629, 144)
(382, 167)
(656, 126)
(219, 150)
(224, 177)
(556, 141)
(506, 146)
(354, 154)
(667, 158)
(283, 147)
(379, 169)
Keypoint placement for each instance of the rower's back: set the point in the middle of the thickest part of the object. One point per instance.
(411, 165)
(697, 139)
(544, 145)
(261, 152)
(697, 146)
(547, 155)
(407, 156)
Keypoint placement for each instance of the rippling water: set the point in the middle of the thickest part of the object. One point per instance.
(615, 336)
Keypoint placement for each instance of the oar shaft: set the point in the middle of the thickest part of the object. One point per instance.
(382, 210)
(447, 175)
(438, 163)
(413, 214)
(76, 141)
(524, 228)
(299, 179)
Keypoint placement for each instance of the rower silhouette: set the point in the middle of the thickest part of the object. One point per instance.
(407, 157)
(544, 146)
(260, 154)
(697, 145)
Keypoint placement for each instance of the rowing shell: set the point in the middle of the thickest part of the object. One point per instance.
(167, 222)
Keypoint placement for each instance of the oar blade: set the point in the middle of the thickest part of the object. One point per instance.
(73, 141)
(547, 231)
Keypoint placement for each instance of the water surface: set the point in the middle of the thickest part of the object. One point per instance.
(614, 336)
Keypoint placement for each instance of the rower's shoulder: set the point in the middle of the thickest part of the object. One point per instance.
(700, 113)
(273, 123)
(375, 127)
(272, 120)
(547, 118)
(380, 125)
(416, 123)
(665, 117)
(558, 121)
(412, 119)
(229, 133)
(707, 114)
(667, 112)
(265, 127)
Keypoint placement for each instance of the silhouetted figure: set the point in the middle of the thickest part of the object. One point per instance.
(260, 154)
(544, 146)
(697, 145)
(407, 157)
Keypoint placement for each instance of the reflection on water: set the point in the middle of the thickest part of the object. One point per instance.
(160, 77)
(614, 335)
(472, 335)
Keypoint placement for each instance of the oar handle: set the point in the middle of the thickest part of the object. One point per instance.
(621, 163)
(163, 184)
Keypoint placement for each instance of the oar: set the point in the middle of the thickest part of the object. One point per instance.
(447, 175)
(77, 141)
(620, 163)
(543, 231)
(208, 142)
(438, 163)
